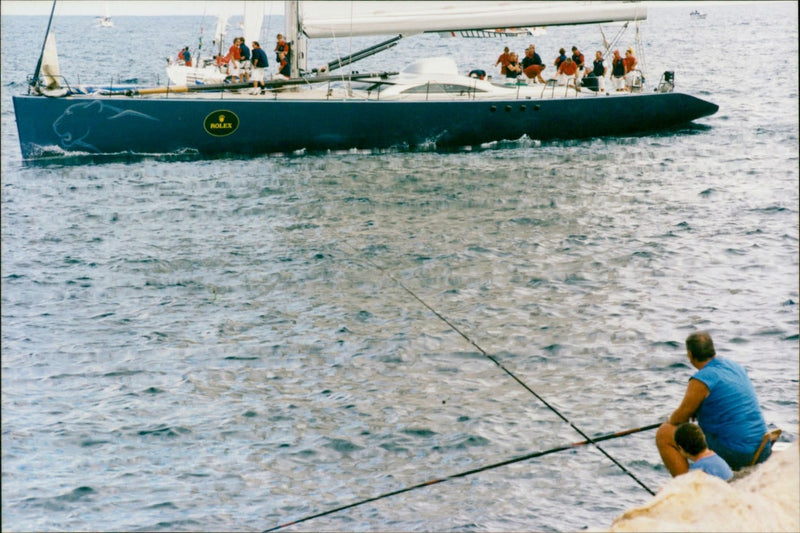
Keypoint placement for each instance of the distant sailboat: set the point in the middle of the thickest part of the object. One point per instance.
(105, 20)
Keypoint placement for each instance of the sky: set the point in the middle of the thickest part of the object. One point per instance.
(145, 7)
(121, 7)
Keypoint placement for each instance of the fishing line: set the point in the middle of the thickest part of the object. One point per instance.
(470, 472)
(506, 370)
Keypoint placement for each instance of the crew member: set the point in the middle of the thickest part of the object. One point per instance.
(282, 51)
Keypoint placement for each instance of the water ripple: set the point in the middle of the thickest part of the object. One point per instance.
(217, 344)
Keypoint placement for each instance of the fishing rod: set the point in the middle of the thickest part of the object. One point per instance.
(594, 441)
(507, 371)
(35, 79)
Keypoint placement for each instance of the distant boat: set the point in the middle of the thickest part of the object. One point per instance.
(697, 15)
(105, 21)
(430, 103)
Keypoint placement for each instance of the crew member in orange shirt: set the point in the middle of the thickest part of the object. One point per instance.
(503, 61)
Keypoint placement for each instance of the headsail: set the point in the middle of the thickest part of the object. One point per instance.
(221, 28)
(353, 18)
(50, 72)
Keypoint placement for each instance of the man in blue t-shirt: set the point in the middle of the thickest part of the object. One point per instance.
(245, 51)
(259, 58)
(259, 62)
(722, 398)
(692, 444)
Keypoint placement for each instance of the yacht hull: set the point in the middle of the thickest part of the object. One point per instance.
(248, 125)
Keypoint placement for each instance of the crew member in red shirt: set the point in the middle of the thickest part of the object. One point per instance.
(630, 68)
(233, 58)
(567, 69)
(629, 61)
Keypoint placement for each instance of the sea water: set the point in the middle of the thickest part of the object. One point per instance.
(236, 343)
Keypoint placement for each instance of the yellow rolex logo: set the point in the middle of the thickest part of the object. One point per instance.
(221, 123)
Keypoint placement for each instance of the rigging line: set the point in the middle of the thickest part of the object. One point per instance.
(507, 371)
(608, 436)
(606, 44)
(350, 42)
(35, 79)
(617, 37)
(642, 66)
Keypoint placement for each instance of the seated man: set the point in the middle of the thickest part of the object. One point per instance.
(692, 444)
(532, 65)
(282, 52)
(722, 398)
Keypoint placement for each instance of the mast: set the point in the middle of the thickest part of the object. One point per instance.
(295, 38)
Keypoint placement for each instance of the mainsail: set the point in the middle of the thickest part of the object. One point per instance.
(253, 20)
(356, 18)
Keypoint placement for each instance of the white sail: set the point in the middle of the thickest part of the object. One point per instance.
(49, 70)
(253, 20)
(346, 18)
(221, 29)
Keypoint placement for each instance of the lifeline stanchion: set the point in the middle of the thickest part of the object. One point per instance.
(470, 472)
(507, 371)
